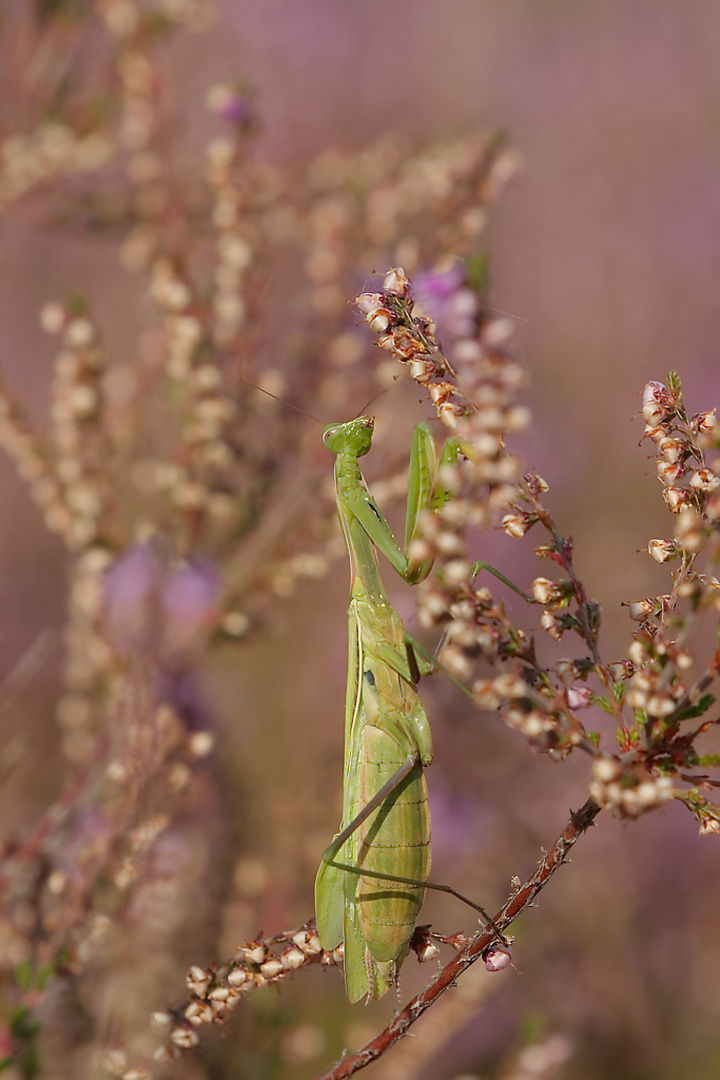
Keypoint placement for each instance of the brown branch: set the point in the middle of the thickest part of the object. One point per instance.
(470, 953)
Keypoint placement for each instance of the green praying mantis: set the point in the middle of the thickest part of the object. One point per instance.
(372, 878)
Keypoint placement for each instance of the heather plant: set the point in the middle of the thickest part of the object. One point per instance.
(182, 473)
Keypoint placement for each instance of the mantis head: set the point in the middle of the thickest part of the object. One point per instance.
(353, 438)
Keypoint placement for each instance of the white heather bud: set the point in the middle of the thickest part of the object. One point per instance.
(670, 448)
(676, 499)
(197, 981)
(662, 550)
(200, 744)
(427, 951)
(565, 670)
(199, 1012)
(422, 370)
(704, 480)
(368, 302)
(185, 1038)
(220, 152)
(52, 318)
(705, 421)
(509, 685)
(637, 653)
(551, 625)
(313, 946)
(293, 957)
(379, 322)
(255, 953)
(543, 589)
(533, 724)
(641, 609)
(456, 662)
(79, 333)
(485, 695)
(272, 967)
(606, 769)
(515, 524)
(660, 706)
(236, 623)
(237, 977)
(396, 282)
(669, 472)
(115, 1060)
(620, 669)
(456, 572)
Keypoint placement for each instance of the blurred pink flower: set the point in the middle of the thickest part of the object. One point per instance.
(152, 602)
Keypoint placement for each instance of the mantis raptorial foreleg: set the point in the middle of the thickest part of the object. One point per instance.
(370, 900)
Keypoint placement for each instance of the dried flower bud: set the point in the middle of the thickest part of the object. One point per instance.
(709, 826)
(657, 403)
(379, 322)
(427, 950)
(622, 669)
(704, 480)
(368, 302)
(292, 957)
(543, 589)
(670, 448)
(676, 499)
(704, 422)
(690, 531)
(670, 472)
(197, 981)
(551, 625)
(662, 550)
(517, 524)
(254, 953)
(396, 282)
(184, 1038)
(53, 318)
(272, 967)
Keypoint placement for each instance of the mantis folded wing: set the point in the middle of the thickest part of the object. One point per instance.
(370, 897)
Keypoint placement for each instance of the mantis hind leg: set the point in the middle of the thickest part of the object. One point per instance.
(329, 860)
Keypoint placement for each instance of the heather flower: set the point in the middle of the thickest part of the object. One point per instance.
(150, 604)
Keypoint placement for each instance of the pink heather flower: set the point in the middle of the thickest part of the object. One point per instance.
(189, 599)
(152, 603)
(132, 587)
(657, 403)
(496, 958)
(579, 697)
(435, 291)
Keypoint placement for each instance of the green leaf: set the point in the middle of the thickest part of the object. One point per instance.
(673, 382)
(708, 760)
(697, 709)
(24, 974)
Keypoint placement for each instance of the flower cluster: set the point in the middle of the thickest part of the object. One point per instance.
(180, 491)
(628, 790)
(216, 992)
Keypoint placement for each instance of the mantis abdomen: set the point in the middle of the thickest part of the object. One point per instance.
(395, 840)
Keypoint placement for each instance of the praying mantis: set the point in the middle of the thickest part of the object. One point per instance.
(371, 881)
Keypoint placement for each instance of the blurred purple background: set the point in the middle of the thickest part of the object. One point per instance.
(608, 250)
